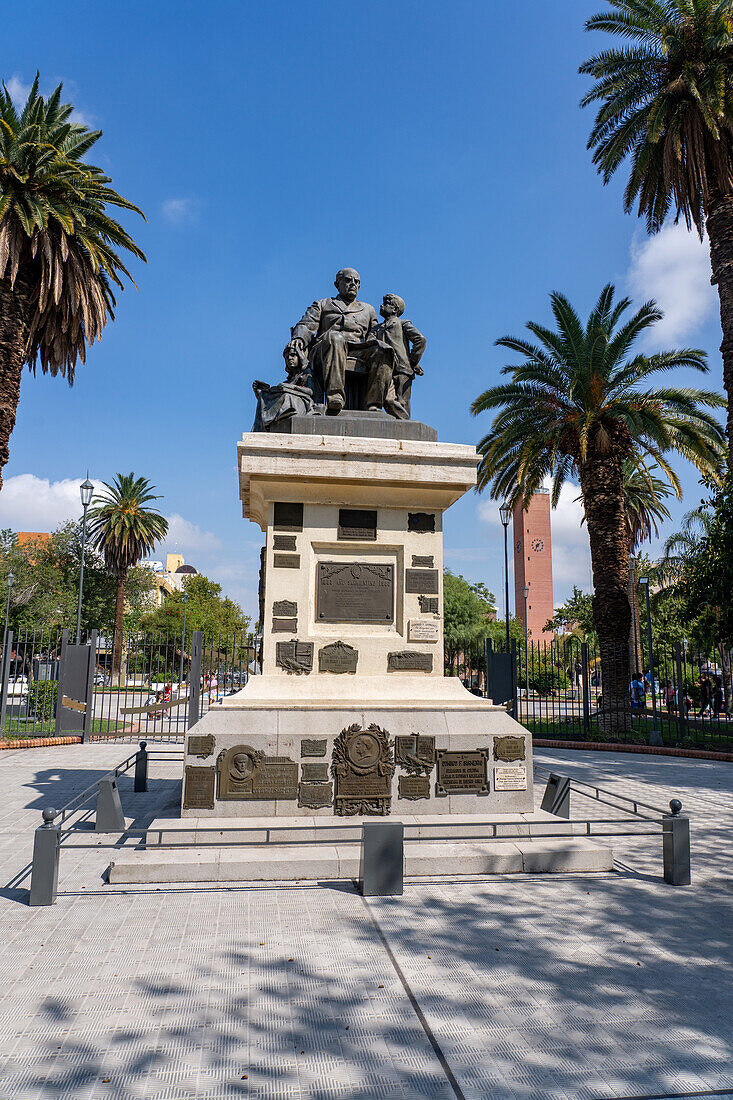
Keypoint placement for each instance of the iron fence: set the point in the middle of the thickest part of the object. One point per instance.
(164, 684)
(569, 690)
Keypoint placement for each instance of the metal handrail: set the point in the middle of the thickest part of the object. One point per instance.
(602, 790)
(50, 815)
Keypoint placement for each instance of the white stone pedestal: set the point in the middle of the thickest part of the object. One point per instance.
(353, 582)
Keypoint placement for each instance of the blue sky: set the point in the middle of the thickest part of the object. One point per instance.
(440, 149)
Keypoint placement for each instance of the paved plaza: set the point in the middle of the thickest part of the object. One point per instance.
(518, 986)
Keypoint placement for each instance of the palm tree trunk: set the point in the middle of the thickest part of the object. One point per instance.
(119, 613)
(14, 313)
(719, 226)
(601, 483)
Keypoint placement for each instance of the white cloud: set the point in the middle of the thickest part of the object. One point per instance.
(186, 536)
(18, 89)
(178, 211)
(673, 267)
(30, 503)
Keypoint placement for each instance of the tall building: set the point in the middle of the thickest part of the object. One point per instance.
(533, 565)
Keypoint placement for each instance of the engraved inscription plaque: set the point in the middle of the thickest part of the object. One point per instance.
(421, 522)
(421, 580)
(415, 752)
(285, 607)
(315, 795)
(423, 630)
(509, 748)
(198, 791)
(288, 516)
(462, 772)
(310, 746)
(338, 657)
(357, 523)
(362, 766)
(508, 777)
(248, 775)
(294, 656)
(413, 787)
(423, 561)
(286, 561)
(311, 772)
(283, 542)
(285, 626)
(429, 605)
(202, 746)
(354, 592)
(410, 660)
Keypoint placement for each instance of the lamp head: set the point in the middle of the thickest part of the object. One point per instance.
(644, 581)
(86, 490)
(526, 591)
(11, 580)
(505, 513)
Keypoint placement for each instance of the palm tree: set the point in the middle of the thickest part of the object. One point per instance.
(666, 102)
(576, 406)
(58, 261)
(125, 531)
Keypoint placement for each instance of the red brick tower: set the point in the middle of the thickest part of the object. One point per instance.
(533, 565)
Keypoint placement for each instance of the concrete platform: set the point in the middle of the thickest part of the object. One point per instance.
(332, 851)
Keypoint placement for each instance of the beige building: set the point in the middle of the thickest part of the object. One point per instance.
(169, 576)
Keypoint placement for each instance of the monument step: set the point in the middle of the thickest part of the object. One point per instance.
(314, 862)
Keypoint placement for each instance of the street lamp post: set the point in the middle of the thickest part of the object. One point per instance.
(644, 581)
(526, 647)
(11, 582)
(505, 514)
(86, 489)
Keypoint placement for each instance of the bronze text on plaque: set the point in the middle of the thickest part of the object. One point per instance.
(409, 660)
(312, 772)
(357, 523)
(202, 746)
(284, 626)
(363, 766)
(288, 608)
(311, 746)
(423, 561)
(294, 656)
(429, 605)
(286, 561)
(338, 657)
(413, 787)
(422, 522)
(355, 592)
(462, 772)
(415, 752)
(198, 789)
(315, 795)
(246, 774)
(509, 748)
(421, 580)
(284, 542)
(288, 516)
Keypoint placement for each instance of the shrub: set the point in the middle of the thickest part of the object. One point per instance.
(546, 680)
(42, 695)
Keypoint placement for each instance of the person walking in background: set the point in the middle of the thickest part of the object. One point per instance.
(704, 695)
(669, 697)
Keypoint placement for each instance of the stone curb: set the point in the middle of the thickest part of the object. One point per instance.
(39, 742)
(647, 750)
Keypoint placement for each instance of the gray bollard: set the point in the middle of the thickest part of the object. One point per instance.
(556, 799)
(46, 851)
(110, 818)
(676, 846)
(382, 858)
(141, 769)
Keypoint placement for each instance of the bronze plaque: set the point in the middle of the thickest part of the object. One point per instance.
(462, 772)
(429, 605)
(338, 657)
(286, 561)
(294, 656)
(415, 753)
(313, 747)
(288, 516)
(410, 660)
(248, 775)
(313, 772)
(423, 561)
(198, 789)
(413, 787)
(421, 580)
(285, 626)
(355, 592)
(357, 523)
(283, 542)
(363, 766)
(202, 746)
(509, 748)
(315, 795)
(285, 607)
(421, 522)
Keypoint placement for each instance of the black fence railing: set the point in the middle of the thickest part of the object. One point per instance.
(160, 684)
(571, 691)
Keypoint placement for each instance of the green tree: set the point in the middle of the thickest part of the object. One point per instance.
(124, 530)
(575, 616)
(666, 105)
(207, 610)
(58, 258)
(577, 405)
